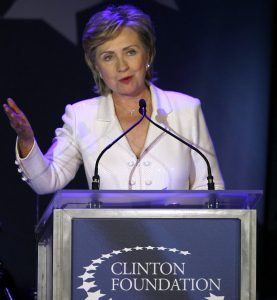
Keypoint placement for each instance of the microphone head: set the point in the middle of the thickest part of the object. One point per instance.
(142, 106)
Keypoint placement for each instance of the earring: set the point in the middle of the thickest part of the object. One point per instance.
(147, 66)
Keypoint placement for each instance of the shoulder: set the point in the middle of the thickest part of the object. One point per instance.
(87, 107)
(82, 110)
(83, 105)
(176, 100)
(181, 99)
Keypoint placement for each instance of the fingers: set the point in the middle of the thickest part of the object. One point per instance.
(9, 112)
(13, 112)
(18, 120)
(11, 103)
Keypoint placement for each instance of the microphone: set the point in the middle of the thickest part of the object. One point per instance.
(210, 177)
(142, 107)
(96, 178)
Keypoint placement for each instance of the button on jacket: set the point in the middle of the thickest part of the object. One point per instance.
(165, 163)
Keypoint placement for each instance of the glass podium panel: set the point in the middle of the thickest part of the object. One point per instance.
(85, 199)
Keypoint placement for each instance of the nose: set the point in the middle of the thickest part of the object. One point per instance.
(122, 65)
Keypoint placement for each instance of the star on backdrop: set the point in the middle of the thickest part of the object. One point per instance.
(87, 285)
(60, 15)
(95, 296)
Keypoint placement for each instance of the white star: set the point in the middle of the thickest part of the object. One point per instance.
(87, 285)
(214, 297)
(127, 249)
(106, 256)
(161, 248)
(116, 252)
(184, 252)
(173, 250)
(97, 261)
(91, 268)
(86, 276)
(149, 248)
(60, 15)
(138, 248)
(95, 296)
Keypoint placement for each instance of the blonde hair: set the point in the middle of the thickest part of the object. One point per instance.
(107, 24)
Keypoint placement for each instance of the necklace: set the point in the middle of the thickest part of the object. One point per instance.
(121, 108)
(131, 111)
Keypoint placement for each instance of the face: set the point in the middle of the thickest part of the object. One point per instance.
(122, 64)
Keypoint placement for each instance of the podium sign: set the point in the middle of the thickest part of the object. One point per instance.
(154, 245)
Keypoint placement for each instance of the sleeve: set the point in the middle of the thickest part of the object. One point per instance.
(203, 142)
(54, 170)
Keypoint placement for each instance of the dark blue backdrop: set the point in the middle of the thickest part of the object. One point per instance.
(218, 51)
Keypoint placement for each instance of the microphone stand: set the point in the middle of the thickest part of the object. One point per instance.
(210, 177)
(142, 110)
(96, 178)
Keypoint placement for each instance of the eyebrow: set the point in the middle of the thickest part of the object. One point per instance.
(124, 49)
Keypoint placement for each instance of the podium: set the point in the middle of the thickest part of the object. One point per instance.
(148, 245)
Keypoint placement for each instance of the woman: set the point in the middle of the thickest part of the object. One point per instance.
(119, 45)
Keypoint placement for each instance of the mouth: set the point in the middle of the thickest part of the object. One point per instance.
(126, 79)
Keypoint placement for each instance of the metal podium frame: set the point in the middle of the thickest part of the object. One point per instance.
(54, 228)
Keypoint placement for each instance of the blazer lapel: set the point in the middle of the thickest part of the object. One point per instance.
(106, 113)
(161, 109)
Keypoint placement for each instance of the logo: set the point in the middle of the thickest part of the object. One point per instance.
(142, 272)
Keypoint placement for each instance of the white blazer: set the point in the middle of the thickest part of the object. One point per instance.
(165, 163)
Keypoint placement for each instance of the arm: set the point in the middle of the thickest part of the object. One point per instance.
(52, 171)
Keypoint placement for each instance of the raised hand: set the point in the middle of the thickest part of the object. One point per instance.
(21, 126)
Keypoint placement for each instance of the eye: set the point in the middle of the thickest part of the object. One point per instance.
(107, 57)
(131, 52)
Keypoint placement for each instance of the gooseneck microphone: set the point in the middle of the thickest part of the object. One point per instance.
(96, 178)
(210, 177)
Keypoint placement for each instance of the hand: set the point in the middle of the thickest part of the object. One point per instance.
(21, 126)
